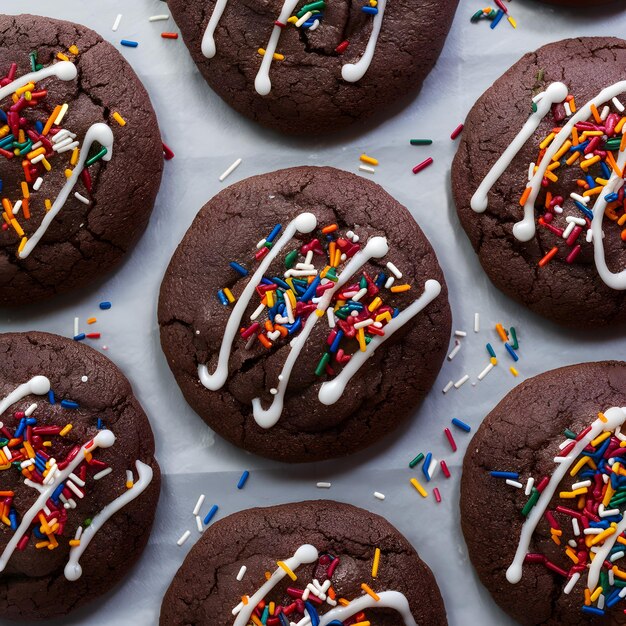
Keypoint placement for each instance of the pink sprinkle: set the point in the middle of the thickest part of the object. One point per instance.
(423, 165)
(450, 439)
(437, 494)
(456, 132)
(445, 470)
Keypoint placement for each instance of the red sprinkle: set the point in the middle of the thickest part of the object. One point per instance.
(456, 132)
(167, 152)
(169, 35)
(437, 494)
(423, 165)
(450, 438)
(444, 469)
(341, 48)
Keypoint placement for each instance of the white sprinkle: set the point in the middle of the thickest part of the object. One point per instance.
(476, 322)
(242, 573)
(184, 537)
(231, 169)
(568, 110)
(529, 486)
(367, 168)
(273, 391)
(589, 239)
(323, 485)
(380, 496)
(514, 483)
(199, 523)
(257, 311)
(485, 371)
(74, 488)
(331, 317)
(7, 453)
(605, 113)
(61, 115)
(116, 24)
(460, 333)
(575, 527)
(75, 326)
(461, 381)
(16, 207)
(79, 533)
(454, 351)
(531, 171)
(84, 379)
(81, 198)
(593, 531)
(568, 230)
(77, 480)
(394, 270)
(609, 512)
(571, 583)
(30, 410)
(261, 244)
(103, 473)
(576, 220)
(37, 184)
(364, 323)
(618, 105)
(558, 209)
(129, 477)
(38, 158)
(158, 18)
(617, 555)
(582, 483)
(576, 196)
(448, 386)
(389, 282)
(304, 18)
(600, 604)
(199, 503)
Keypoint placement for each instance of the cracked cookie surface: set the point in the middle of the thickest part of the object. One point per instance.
(388, 387)
(569, 294)
(522, 434)
(83, 242)
(205, 590)
(308, 93)
(33, 585)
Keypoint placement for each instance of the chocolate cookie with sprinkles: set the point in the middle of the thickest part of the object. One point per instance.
(543, 497)
(317, 563)
(538, 181)
(310, 67)
(80, 158)
(78, 480)
(304, 315)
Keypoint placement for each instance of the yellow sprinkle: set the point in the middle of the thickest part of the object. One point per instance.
(68, 172)
(370, 592)
(374, 304)
(512, 21)
(272, 608)
(29, 450)
(286, 569)
(46, 164)
(62, 57)
(513, 371)
(74, 158)
(48, 204)
(119, 119)
(386, 316)
(572, 494)
(25, 88)
(74, 542)
(600, 438)
(361, 339)
(61, 114)
(589, 162)
(603, 535)
(376, 563)
(602, 418)
(91, 320)
(596, 594)
(573, 158)
(73, 50)
(493, 360)
(368, 159)
(572, 555)
(546, 142)
(25, 192)
(276, 56)
(66, 430)
(229, 294)
(566, 146)
(41, 544)
(419, 488)
(22, 244)
(581, 464)
(17, 227)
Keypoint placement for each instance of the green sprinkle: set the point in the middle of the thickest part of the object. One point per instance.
(476, 16)
(422, 142)
(613, 144)
(534, 497)
(570, 434)
(515, 345)
(534, 107)
(363, 282)
(88, 521)
(290, 259)
(33, 61)
(416, 460)
(321, 366)
(331, 274)
(96, 157)
(313, 6)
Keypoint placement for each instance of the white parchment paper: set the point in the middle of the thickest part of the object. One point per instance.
(207, 137)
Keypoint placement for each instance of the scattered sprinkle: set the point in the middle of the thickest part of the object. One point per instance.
(184, 537)
(230, 169)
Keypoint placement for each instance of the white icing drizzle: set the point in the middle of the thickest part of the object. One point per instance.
(525, 229)
(104, 439)
(38, 386)
(353, 72)
(387, 599)
(208, 39)
(332, 390)
(100, 133)
(303, 223)
(377, 248)
(73, 570)
(304, 554)
(64, 70)
(262, 82)
(615, 417)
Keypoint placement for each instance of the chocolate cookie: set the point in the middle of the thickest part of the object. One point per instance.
(548, 136)
(542, 497)
(581, 3)
(333, 562)
(327, 64)
(288, 347)
(78, 480)
(80, 157)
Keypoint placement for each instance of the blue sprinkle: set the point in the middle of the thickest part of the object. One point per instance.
(310, 292)
(584, 209)
(273, 234)
(69, 404)
(13, 519)
(426, 465)
(592, 610)
(511, 475)
(611, 197)
(285, 622)
(99, 424)
(105, 306)
(280, 282)
(31, 421)
(497, 18)
(222, 297)
(129, 44)
(492, 352)
(590, 181)
(605, 171)
(461, 425)
(295, 327)
(310, 609)
(239, 268)
(79, 337)
(510, 350)
(211, 514)
(395, 313)
(20, 429)
(266, 281)
(39, 126)
(381, 279)
(580, 146)
(243, 479)
(51, 398)
(334, 346)
(57, 492)
(370, 10)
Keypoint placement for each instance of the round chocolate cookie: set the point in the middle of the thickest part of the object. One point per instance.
(581, 3)
(78, 479)
(319, 339)
(543, 497)
(538, 186)
(333, 549)
(80, 158)
(334, 63)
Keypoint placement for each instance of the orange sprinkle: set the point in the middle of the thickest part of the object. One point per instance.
(525, 195)
(370, 592)
(546, 259)
(329, 229)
